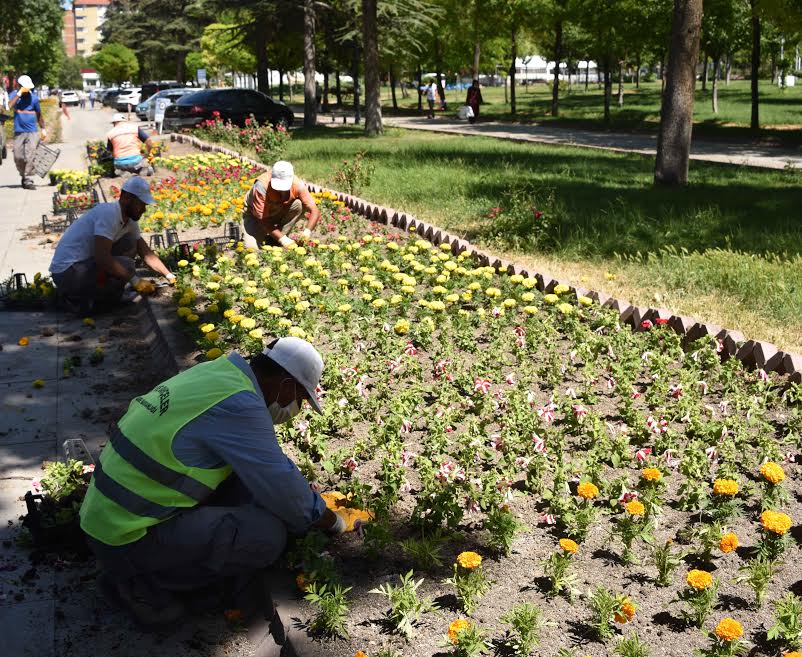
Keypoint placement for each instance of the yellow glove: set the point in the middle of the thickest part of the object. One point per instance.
(351, 517)
(145, 287)
(24, 90)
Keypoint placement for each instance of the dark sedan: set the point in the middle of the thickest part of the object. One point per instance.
(235, 105)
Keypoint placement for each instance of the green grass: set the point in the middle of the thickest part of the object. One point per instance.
(641, 110)
(698, 250)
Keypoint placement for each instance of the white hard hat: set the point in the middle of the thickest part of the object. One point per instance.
(25, 81)
(281, 176)
(301, 360)
(117, 118)
(140, 188)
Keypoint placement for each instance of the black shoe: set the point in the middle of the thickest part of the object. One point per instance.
(27, 183)
(150, 614)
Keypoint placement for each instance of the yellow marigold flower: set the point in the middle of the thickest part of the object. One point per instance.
(248, 323)
(587, 490)
(297, 332)
(39, 383)
(229, 313)
(88, 321)
(192, 318)
(560, 289)
(792, 654)
(635, 508)
(725, 487)
(772, 472)
(627, 612)
(729, 629)
(528, 297)
(256, 333)
(493, 292)
(565, 308)
(207, 328)
(699, 579)
(728, 543)
(775, 522)
(584, 301)
(212, 336)
(551, 299)
(213, 353)
(401, 327)
(183, 263)
(530, 310)
(651, 474)
(454, 629)
(568, 545)
(359, 653)
(469, 560)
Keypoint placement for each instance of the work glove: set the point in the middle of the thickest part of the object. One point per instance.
(287, 242)
(340, 525)
(170, 278)
(307, 233)
(44, 134)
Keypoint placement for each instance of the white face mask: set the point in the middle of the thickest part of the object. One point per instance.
(282, 414)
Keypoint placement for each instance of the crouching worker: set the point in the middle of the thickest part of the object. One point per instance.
(193, 487)
(125, 142)
(275, 204)
(94, 258)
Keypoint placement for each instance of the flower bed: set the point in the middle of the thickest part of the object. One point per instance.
(265, 141)
(594, 471)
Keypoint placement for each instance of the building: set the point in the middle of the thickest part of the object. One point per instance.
(81, 28)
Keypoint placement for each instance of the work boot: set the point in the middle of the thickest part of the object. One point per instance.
(27, 183)
(150, 609)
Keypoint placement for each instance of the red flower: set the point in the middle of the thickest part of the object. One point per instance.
(661, 322)
(646, 324)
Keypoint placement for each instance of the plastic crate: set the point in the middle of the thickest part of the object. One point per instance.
(44, 158)
(58, 224)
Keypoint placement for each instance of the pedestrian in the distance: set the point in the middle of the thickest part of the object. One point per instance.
(92, 96)
(27, 122)
(431, 98)
(473, 99)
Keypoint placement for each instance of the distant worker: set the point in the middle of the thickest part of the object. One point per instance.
(274, 205)
(27, 122)
(473, 99)
(125, 142)
(92, 97)
(94, 259)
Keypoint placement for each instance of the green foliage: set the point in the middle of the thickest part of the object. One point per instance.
(30, 39)
(405, 605)
(699, 603)
(666, 560)
(631, 646)
(757, 574)
(69, 74)
(351, 176)
(426, 552)
(525, 621)
(332, 609)
(502, 526)
(787, 621)
(469, 585)
(604, 606)
(60, 480)
(115, 63)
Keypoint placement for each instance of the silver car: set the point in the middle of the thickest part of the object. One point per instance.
(170, 95)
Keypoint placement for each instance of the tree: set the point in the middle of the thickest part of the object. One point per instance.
(69, 73)
(755, 118)
(310, 86)
(676, 115)
(30, 38)
(724, 26)
(115, 63)
(373, 107)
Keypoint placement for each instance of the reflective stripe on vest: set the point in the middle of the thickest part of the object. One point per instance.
(125, 140)
(139, 482)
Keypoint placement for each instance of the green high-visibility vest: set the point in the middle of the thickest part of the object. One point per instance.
(139, 482)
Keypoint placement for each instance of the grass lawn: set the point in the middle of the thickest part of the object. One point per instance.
(700, 251)
(780, 111)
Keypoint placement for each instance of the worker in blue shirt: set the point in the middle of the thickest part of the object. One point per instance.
(193, 486)
(27, 121)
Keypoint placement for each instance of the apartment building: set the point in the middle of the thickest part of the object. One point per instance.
(81, 28)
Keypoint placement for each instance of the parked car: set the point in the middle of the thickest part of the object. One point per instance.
(235, 105)
(126, 98)
(110, 97)
(168, 95)
(142, 110)
(70, 98)
(150, 88)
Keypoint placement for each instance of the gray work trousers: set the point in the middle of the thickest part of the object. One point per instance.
(254, 234)
(85, 286)
(25, 144)
(228, 536)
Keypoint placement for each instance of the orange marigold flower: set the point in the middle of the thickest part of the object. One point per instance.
(568, 545)
(772, 472)
(626, 614)
(454, 629)
(23, 341)
(792, 654)
(729, 629)
(635, 508)
(651, 474)
(359, 653)
(728, 543)
(775, 522)
(469, 560)
(725, 487)
(699, 579)
(587, 490)
(233, 615)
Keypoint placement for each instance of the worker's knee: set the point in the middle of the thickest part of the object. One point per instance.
(259, 540)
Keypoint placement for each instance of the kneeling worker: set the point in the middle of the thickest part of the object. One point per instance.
(273, 206)
(193, 487)
(125, 142)
(94, 258)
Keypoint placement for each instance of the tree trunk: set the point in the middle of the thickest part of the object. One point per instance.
(637, 72)
(558, 53)
(587, 73)
(392, 88)
(608, 89)
(281, 85)
(338, 90)
(477, 46)
(676, 114)
(373, 102)
(704, 74)
(438, 66)
(728, 69)
(180, 61)
(310, 88)
(262, 69)
(716, 66)
(514, 49)
(355, 73)
(420, 84)
(325, 105)
(755, 122)
(620, 84)
(662, 72)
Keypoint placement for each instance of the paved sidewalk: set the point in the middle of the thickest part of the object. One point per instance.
(762, 156)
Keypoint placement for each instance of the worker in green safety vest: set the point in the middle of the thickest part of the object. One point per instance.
(193, 487)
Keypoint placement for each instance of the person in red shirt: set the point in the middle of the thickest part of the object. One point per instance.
(274, 205)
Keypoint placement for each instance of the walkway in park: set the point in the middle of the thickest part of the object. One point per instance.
(763, 156)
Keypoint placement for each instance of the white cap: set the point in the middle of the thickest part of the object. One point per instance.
(25, 81)
(117, 118)
(302, 361)
(281, 176)
(140, 188)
